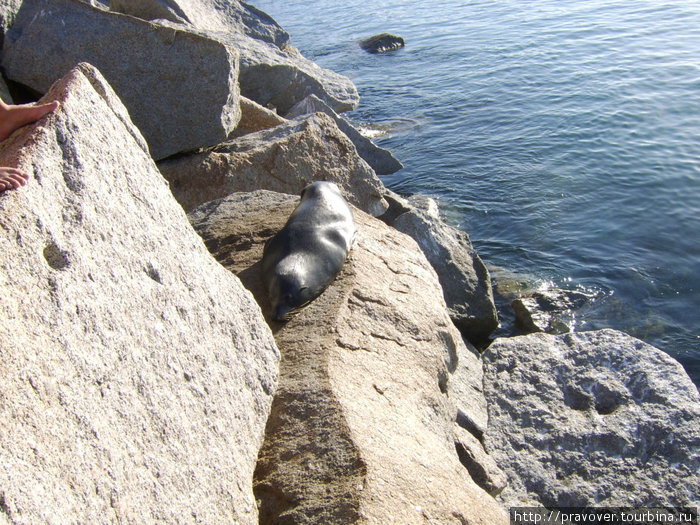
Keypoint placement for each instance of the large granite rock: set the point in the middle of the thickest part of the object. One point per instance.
(592, 418)
(273, 73)
(181, 89)
(213, 15)
(466, 283)
(284, 159)
(136, 373)
(380, 160)
(361, 429)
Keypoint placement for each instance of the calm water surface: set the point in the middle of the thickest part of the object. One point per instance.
(564, 136)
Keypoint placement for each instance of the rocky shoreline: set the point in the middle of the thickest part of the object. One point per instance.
(142, 380)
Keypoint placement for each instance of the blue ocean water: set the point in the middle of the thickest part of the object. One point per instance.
(563, 136)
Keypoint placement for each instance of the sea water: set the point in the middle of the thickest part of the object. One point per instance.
(563, 136)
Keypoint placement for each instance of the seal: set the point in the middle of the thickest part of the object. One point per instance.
(305, 256)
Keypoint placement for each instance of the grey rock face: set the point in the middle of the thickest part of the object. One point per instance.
(382, 43)
(137, 374)
(284, 159)
(592, 418)
(481, 467)
(380, 160)
(174, 114)
(464, 278)
(8, 12)
(361, 430)
(282, 77)
(212, 15)
(273, 73)
(254, 118)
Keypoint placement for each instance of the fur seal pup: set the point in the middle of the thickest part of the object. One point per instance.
(304, 257)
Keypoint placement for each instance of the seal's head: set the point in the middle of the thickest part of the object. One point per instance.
(289, 294)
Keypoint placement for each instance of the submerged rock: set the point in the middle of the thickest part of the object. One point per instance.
(285, 159)
(549, 310)
(382, 43)
(592, 418)
(137, 374)
(181, 89)
(380, 160)
(361, 427)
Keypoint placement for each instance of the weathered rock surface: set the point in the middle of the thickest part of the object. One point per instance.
(481, 467)
(213, 15)
(465, 281)
(136, 374)
(382, 43)
(273, 73)
(254, 118)
(8, 12)
(592, 418)
(361, 430)
(281, 77)
(50, 36)
(380, 160)
(284, 159)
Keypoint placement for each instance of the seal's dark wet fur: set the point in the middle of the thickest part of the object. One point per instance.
(304, 257)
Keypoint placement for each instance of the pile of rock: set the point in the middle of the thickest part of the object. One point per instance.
(139, 374)
(140, 380)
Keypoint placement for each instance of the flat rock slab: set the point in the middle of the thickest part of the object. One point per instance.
(284, 159)
(136, 374)
(181, 88)
(361, 428)
(592, 418)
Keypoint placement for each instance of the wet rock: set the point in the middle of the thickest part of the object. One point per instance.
(592, 418)
(51, 36)
(548, 310)
(284, 159)
(361, 420)
(137, 373)
(382, 43)
(380, 160)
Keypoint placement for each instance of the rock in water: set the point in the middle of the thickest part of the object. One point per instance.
(382, 43)
(303, 258)
(181, 88)
(592, 418)
(136, 374)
